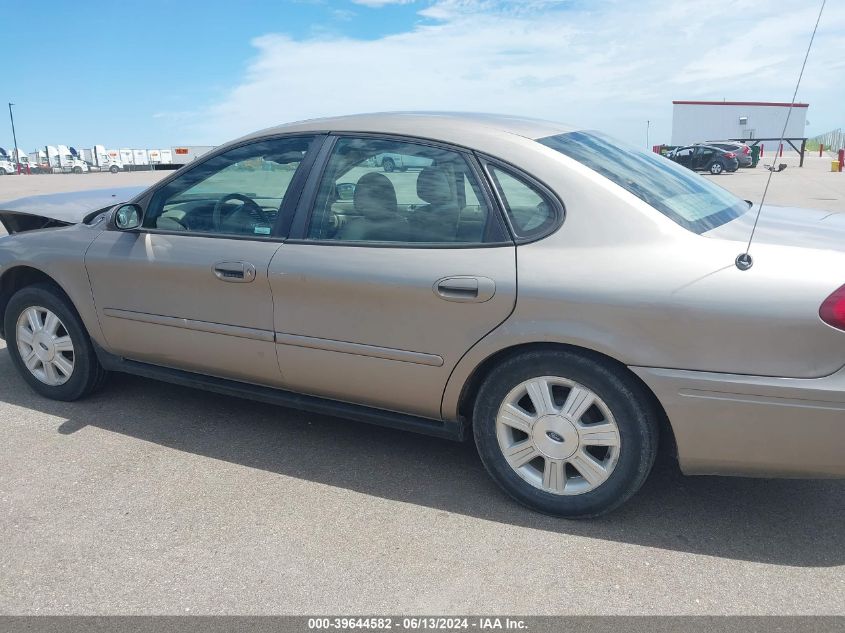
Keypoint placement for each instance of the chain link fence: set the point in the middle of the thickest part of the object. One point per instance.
(833, 141)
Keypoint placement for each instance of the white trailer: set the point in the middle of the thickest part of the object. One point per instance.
(126, 157)
(184, 154)
(101, 159)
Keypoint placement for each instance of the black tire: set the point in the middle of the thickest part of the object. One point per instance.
(388, 165)
(113, 169)
(635, 416)
(716, 168)
(88, 375)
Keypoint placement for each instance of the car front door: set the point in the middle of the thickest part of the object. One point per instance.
(189, 288)
(683, 156)
(389, 278)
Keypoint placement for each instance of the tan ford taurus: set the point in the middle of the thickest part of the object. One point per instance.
(568, 299)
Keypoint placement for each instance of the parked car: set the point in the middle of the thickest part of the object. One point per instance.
(397, 162)
(704, 158)
(565, 299)
(742, 151)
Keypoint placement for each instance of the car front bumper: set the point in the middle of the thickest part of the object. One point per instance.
(728, 424)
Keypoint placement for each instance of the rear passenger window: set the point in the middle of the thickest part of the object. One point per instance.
(377, 190)
(530, 212)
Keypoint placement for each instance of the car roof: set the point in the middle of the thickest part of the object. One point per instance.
(463, 128)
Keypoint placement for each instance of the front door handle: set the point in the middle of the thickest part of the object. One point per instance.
(236, 272)
(465, 289)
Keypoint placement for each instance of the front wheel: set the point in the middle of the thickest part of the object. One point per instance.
(716, 169)
(49, 345)
(388, 165)
(565, 434)
(113, 169)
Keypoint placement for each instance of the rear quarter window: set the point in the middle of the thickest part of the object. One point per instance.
(531, 212)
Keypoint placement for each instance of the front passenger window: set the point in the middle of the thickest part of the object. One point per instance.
(239, 192)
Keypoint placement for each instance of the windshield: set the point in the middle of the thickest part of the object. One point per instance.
(678, 193)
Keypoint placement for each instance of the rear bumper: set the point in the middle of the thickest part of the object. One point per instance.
(727, 424)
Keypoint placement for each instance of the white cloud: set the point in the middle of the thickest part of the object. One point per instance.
(608, 65)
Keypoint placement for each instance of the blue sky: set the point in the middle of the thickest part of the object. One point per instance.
(156, 73)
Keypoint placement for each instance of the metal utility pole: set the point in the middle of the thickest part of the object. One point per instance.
(14, 139)
(647, 126)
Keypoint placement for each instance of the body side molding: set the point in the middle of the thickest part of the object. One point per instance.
(426, 426)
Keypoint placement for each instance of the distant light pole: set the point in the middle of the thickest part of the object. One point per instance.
(14, 139)
(647, 125)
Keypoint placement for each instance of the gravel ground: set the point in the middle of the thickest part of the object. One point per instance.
(150, 498)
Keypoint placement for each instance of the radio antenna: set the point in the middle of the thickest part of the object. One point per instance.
(744, 260)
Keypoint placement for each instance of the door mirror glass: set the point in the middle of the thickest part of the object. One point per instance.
(345, 191)
(127, 217)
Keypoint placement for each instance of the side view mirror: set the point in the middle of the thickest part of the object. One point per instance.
(128, 217)
(345, 191)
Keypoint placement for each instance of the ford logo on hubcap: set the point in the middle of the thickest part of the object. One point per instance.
(554, 437)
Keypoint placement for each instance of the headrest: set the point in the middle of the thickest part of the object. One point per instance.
(375, 197)
(433, 186)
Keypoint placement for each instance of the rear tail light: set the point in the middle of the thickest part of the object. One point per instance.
(730, 155)
(832, 311)
(746, 150)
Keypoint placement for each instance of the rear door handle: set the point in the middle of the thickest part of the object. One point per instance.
(235, 272)
(465, 289)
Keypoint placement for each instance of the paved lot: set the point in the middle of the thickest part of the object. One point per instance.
(812, 186)
(150, 498)
(18, 186)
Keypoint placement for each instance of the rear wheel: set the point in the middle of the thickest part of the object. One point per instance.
(565, 434)
(49, 345)
(716, 168)
(388, 164)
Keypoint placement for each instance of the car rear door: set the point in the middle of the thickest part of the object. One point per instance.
(189, 289)
(377, 298)
(703, 157)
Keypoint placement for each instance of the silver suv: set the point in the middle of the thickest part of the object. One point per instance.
(742, 151)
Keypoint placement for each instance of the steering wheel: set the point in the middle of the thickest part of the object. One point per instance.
(216, 216)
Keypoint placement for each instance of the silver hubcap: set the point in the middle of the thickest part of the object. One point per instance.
(45, 346)
(558, 435)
